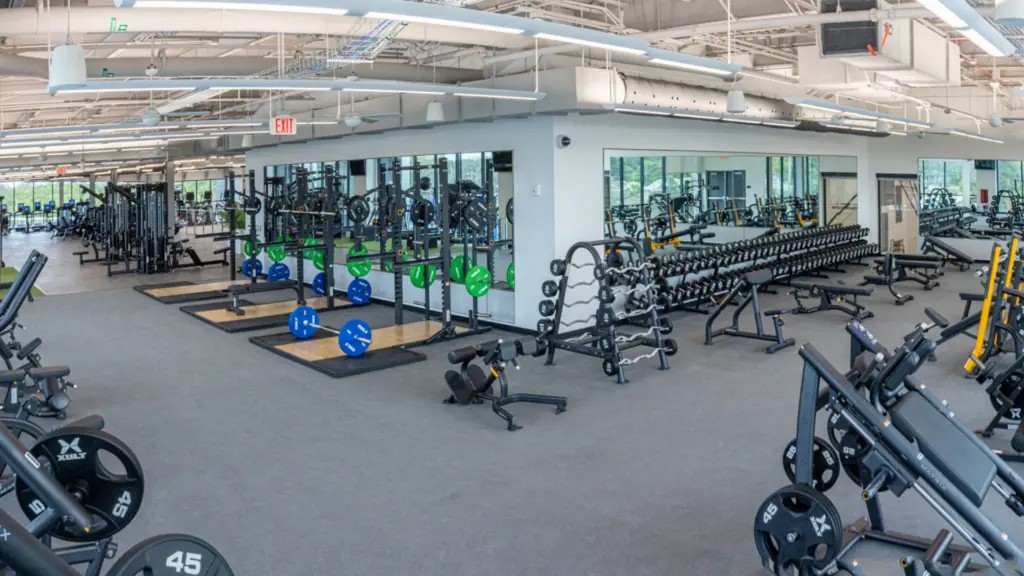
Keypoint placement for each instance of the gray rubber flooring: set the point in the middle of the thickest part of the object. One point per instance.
(291, 472)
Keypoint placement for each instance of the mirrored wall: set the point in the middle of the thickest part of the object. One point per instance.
(657, 194)
(964, 198)
(481, 178)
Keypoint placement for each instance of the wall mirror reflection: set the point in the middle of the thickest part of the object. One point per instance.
(685, 199)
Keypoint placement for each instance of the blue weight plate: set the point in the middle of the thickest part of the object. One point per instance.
(318, 284)
(355, 338)
(303, 322)
(278, 272)
(252, 267)
(359, 291)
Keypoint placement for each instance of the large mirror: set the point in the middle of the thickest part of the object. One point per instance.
(481, 178)
(970, 199)
(678, 198)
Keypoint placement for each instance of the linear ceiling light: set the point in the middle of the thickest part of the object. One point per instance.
(944, 13)
(993, 44)
(316, 84)
(958, 132)
(591, 43)
(443, 22)
(692, 63)
(241, 5)
(470, 95)
(826, 106)
(846, 127)
(700, 115)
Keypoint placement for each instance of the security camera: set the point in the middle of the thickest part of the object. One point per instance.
(152, 70)
(995, 122)
(150, 117)
(563, 141)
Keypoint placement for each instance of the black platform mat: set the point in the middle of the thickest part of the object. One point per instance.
(212, 306)
(341, 366)
(180, 298)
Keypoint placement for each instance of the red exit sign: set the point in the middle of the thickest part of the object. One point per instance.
(62, 170)
(282, 126)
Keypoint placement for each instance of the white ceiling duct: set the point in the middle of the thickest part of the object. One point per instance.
(67, 67)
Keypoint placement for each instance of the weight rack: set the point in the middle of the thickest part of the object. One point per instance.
(602, 340)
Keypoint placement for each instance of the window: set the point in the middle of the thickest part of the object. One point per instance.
(1010, 174)
(942, 180)
(632, 180)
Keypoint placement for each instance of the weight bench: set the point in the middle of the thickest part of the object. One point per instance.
(831, 297)
(949, 253)
(238, 290)
(895, 268)
(752, 282)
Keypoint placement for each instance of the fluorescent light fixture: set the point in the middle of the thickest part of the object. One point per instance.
(642, 111)
(846, 127)
(958, 132)
(224, 124)
(739, 120)
(780, 123)
(318, 122)
(37, 132)
(139, 128)
(295, 8)
(302, 85)
(939, 8)
(590, 43)
(683, 61)
(470, 95)
(697, 115)
(443, 22)
(690, 66)
(831, 107)
(394, 91)
(349, 61)
(897, 133)
(989, 46)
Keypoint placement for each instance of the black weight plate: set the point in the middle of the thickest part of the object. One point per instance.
(543, 327)
(671, 347)
(509, 209)
(852, 449)
(549, 288)
(797, 527)
(606, 295)
(837, 428)
(666, 325)
(358, 210)
(824, 465)
(557, 267)
(422, 213)
(546, 308)
(599, 271)
(79, 458)
(171, 555)
(605, 316)
(605, 344)
(610, 368)
(1006, 389)
(475, 216)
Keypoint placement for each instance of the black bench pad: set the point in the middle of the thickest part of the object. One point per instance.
(954, 455)
(251, 288)
(44, 372)
(834, 288)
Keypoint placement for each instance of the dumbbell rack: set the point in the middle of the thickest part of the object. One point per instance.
(602, 340)
(690, 281)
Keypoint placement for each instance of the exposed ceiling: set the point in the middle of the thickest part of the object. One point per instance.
(765, 36)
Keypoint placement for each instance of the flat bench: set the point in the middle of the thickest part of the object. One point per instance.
(895, 268)
(830, 297)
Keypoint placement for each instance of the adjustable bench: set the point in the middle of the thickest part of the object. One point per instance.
(238, 290)
(949, 253)
(894, 268)
(831, 297)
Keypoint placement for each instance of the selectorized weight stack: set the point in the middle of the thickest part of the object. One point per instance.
(602, 339)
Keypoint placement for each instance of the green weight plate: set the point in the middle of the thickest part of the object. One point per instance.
(478, 281)
(319, 260)
(250, 250)
(310, 254)
(362, 267)
(276, 253)
(510, 272)
(419, 278)
(458, 271)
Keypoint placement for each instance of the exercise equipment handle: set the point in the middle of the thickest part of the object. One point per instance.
(26, 554)
(462, 355)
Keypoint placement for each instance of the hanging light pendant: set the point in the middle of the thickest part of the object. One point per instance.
(435, 112)
(67, 67)
(736, 102)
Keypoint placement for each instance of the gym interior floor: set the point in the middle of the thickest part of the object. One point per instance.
(290, 472)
